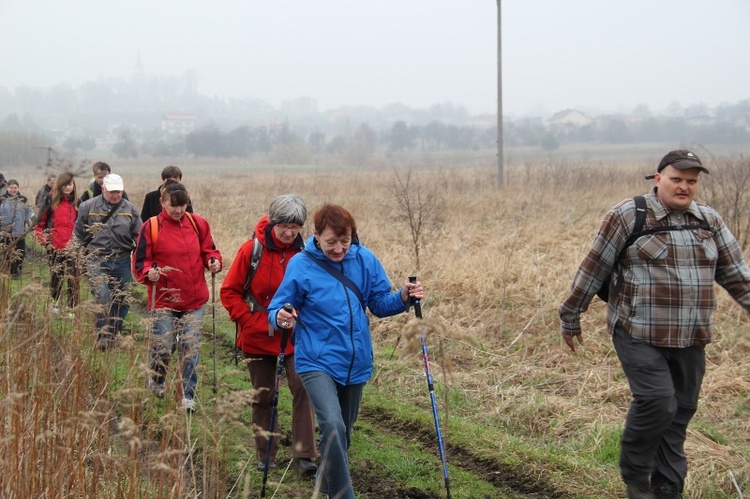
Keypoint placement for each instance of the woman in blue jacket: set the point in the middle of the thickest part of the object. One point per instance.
(329, 285)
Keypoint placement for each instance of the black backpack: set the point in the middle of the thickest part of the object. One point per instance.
(249, 299)
(638, 232)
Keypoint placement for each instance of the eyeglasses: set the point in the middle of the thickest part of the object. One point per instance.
(294, 229)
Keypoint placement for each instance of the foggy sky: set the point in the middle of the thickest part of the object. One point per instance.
(595, 54)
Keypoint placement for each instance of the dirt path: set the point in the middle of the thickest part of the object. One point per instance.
(509, 481)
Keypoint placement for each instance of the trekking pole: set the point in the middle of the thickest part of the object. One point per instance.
(274, 408)
(431, 388)
(213, 323)
(150, 329)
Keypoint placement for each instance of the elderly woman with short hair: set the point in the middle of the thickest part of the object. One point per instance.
(278, 232)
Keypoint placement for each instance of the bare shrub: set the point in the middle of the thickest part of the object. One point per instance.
(727, 189)
(419, 205)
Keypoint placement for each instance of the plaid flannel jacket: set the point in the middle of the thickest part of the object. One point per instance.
(666, 291)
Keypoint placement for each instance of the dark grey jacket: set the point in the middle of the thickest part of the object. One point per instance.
(113, 240)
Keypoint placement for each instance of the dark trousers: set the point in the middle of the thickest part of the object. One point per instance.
(62, 268)
(665, 383)
(263, 377)
(14, 253)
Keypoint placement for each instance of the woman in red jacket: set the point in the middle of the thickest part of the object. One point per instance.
(279, 234)
(172, 252)
(54, 231)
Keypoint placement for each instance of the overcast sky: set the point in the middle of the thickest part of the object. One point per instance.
(605, 54)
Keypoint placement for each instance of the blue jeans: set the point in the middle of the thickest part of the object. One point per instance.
(179, 331)
(109, 285)
(336, 407)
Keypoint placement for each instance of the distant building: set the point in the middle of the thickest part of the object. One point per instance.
(303, 106)
(178, 124)
(570, 118)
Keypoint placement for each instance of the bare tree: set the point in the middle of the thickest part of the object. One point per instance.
(418, 204)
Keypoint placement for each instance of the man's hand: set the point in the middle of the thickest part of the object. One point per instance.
(569, 340)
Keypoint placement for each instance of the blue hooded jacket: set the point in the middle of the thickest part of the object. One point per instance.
(333, 331)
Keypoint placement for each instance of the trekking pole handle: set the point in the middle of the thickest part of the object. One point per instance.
(287, 308)
(414, 301)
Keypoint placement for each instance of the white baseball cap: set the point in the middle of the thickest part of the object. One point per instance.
(113, 182)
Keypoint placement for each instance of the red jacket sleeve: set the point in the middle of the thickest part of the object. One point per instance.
(142, 256)
(208, 247)
(233, 288)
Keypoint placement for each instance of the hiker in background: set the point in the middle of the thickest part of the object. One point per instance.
(45, 191)
(15, 215)
(172, 251)
(101, 170)
(152, 201)
(3, 187)
(246, 292)
(659, 314)
(54, 231)
(329, 285)
(106, 228)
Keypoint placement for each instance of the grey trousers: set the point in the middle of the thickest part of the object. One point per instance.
(665, 383)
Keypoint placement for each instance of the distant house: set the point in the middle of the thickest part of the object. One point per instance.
(569, 118)
(178, 124)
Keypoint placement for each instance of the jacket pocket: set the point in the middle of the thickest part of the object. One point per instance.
(652, 247)
(707, 243)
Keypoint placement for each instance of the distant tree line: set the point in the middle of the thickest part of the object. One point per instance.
(297, 142)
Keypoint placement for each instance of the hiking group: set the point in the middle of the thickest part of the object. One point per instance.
(300, 305)
(168, 248)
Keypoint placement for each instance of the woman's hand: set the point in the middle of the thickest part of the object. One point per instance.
(412, 290)
(153, 274)
(214, 265)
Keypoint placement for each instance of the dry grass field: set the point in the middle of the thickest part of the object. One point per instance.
(495, 262)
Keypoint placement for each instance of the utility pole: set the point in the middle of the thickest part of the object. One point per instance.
(500, 167)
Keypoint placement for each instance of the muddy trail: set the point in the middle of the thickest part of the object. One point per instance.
(509, 481)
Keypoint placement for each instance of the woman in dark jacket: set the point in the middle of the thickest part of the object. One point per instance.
(172, 252)
(54, 230)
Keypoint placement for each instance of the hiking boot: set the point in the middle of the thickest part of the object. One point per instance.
(305, 467)
(187, 405)
(262, 466)
(105, 342)
(158, 389)
(666, 490)
(639, 492)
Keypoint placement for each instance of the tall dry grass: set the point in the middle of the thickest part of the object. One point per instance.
(495, 268)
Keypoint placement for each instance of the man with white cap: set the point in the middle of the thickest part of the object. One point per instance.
(107, 227)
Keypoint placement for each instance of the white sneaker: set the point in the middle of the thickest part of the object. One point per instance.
(187, 405)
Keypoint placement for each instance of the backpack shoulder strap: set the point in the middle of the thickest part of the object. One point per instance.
(192, 222)
(336, 273)
(640, 219)
(254, 261)
(153, 223)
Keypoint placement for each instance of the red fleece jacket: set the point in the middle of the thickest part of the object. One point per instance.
(183, 253)
(253, 327)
